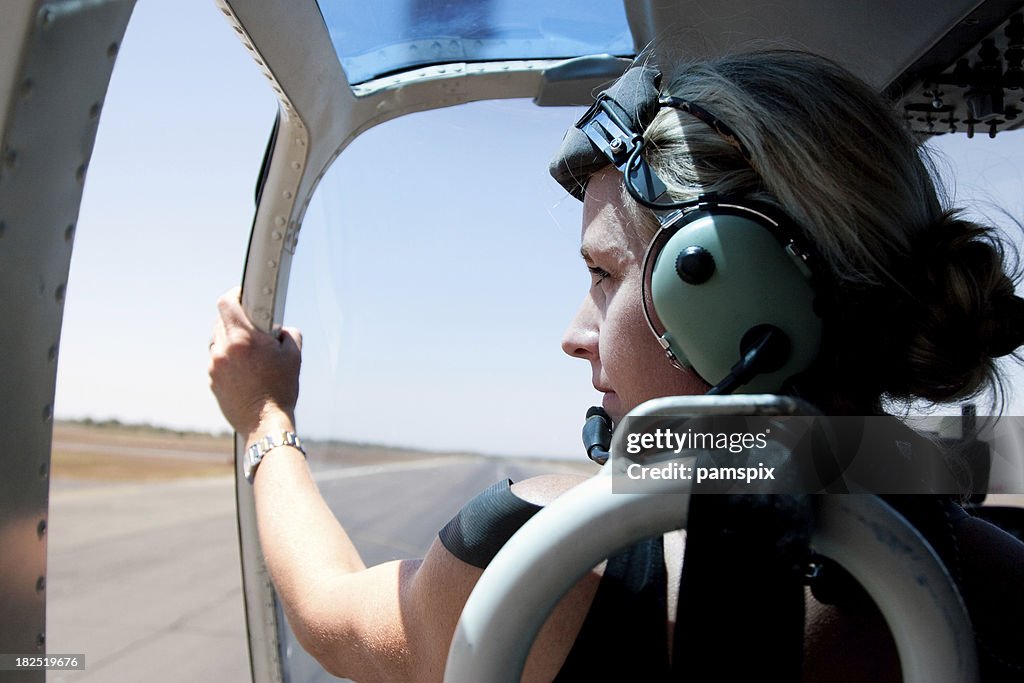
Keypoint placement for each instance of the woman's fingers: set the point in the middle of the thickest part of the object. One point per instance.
(250, 370)
(231, 314)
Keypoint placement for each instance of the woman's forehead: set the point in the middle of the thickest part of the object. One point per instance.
(606, 225)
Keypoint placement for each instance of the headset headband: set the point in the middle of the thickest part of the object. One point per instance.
(611, 131)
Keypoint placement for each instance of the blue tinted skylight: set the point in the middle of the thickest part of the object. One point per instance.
(378, 37)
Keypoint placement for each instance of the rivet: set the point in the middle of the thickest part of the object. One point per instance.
(268, 291)
(94, 111)
(301, 142)
(112, 50)
(44, 469)
(10, 158)
(46, 16)
(296, 165)
(47, 412)
(26, 87)
(264, 315)
(80, 173)
(40, 584)
(275, 235)
(271, 264)
(51, 353)
(288, 194)
(280, 220)
(41, 528)
(69, 232)
(40, 640)
(59, 293)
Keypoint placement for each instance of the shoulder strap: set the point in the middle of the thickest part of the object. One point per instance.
(484, 524)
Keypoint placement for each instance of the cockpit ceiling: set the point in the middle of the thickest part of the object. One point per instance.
(380, 38)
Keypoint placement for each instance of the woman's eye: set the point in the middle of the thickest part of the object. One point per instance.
(598, 275)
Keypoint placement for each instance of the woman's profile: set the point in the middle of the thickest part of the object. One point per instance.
(863, 290)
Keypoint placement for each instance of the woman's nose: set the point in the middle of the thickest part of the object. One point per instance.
(580, 339)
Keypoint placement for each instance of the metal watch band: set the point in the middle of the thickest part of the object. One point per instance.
(256, 452)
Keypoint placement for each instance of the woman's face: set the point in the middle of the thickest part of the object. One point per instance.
(609, 330)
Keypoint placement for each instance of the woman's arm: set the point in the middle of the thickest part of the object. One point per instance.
(390, 622)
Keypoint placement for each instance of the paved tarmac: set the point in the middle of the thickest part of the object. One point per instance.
(144, 578)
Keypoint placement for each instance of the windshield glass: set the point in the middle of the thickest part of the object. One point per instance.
(377, 38)
(436, 271)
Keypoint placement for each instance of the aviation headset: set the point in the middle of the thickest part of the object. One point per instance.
(727, 285)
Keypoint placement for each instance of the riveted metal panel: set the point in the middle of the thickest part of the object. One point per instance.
(54, 96)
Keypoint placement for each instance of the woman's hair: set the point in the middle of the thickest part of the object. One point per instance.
(916, 300)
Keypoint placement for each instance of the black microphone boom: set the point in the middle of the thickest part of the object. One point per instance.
(597, 435)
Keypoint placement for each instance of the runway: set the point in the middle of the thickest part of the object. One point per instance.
(144, 579)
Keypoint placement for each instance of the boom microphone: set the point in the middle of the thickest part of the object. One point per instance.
(597, 435)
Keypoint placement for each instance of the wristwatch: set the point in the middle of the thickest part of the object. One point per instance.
(255, 453)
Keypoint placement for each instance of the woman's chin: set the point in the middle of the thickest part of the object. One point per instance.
(612, 406)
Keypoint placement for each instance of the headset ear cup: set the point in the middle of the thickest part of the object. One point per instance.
(716, 276)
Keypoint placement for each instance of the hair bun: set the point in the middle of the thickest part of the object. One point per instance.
(1008, 329)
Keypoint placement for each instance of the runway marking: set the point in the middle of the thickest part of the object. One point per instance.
(141, 451)
(334, 474)
(85, 491)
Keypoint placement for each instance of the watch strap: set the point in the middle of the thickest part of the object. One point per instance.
(256, 452)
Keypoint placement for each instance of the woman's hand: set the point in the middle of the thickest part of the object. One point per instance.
(255, 376)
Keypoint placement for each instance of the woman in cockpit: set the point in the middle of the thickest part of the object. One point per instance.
(880, 293)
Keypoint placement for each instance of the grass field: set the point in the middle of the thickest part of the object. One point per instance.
(111, 451)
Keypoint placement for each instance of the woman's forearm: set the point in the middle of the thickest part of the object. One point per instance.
(304, 545)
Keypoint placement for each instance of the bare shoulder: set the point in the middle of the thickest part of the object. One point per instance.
(543, 489)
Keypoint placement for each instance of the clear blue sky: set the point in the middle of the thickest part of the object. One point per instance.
(432, 282)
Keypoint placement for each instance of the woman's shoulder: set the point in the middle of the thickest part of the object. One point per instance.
(543, 489)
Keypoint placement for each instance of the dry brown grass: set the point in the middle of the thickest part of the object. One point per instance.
(121, 453)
